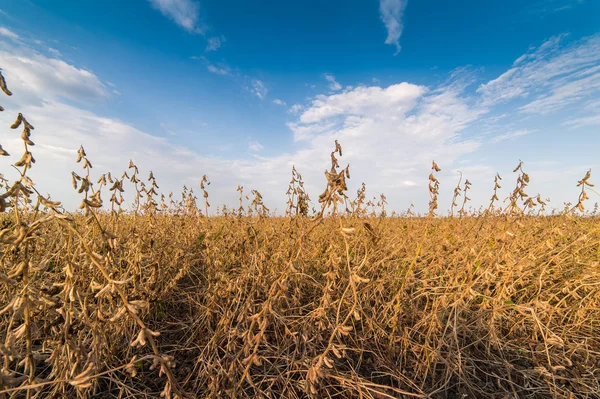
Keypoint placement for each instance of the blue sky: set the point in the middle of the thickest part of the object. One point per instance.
(242, 90)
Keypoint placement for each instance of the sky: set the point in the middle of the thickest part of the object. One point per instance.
(242, 91)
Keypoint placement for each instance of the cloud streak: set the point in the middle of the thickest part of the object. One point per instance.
(333, 84)
(549, 77)
(185, 13)
(258, 88)
(39, 77)
(8, 33)
(511, 135)
(391, 13)
(214, 43)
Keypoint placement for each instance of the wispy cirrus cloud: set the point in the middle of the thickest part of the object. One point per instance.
(549, 77)
(391, 13)
(333, 84)
(255, 146)
(511, 135)
(593, 120)
(258, 88)
(218, 69)
(248, 83)
(185, 13)
(294, 109)
(541, 7)
(590, 116)
(8, 33)
(214, 43)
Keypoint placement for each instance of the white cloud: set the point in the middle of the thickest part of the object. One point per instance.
(278, 101)
(373, 101)
(307, 131)
(258, 88)
(511, 135)
(253, 85)
(60, 128)
(391, 13)
(333, 84)
(389, 134)
(549, 77)
(593, 120)
(294, 109)
(168, 129)
(214, 43)
(218, 70)
(39, 85)
(54, 51)
(185, 13)
(551, 6)
(45, 78)
(8, 33)
(255, 146)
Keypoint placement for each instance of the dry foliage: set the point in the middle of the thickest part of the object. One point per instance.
(342, 301)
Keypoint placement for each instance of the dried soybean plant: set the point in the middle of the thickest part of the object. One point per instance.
(466, 198)
(151, 206)
(257, 205)
(542, 203)
(583, 196)
(358, 204)
(240, 210)
(203, 183)
(335, 192)
(531, 203)
(191, 207)
(381, 205)
(19, 363)
(137, 185)
(495, 198)
(4, 88)
(457, 194)
(116, 196)
(344, 274)
(61, 292)
(92, 198)
(298, 200)
(6, 91)
(110, 288)
(434, 186)
(518, 193)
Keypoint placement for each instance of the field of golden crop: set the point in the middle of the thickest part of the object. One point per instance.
(341, 301)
